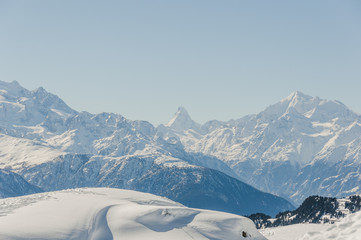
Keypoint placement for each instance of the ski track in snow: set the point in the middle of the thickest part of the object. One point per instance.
(100, 228)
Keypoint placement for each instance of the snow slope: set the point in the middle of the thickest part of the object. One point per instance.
(347, 229)
(293, 232)
(103, 213)
(54, 147)
(298, 147)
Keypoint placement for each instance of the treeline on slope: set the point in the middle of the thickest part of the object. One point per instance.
(314, 209)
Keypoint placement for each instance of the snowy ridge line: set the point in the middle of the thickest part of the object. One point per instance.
(105, 213)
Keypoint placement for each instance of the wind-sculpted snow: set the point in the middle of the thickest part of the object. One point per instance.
(298, 147)
(115, 214)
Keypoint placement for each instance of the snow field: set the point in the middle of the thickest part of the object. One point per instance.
(348, 228)
(104, 213)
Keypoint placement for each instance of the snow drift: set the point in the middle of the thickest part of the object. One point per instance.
(104, 213)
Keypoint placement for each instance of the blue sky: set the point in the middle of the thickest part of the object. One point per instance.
(218, 59)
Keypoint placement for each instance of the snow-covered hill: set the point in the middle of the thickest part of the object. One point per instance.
(54, 147)
(103, 213)
(298, 147)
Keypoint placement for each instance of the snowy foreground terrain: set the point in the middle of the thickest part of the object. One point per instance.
(105, 213)
(293, 232)
(348, 228)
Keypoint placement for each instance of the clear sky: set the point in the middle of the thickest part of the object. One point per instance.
(218, 59)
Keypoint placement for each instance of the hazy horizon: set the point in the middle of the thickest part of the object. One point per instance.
(220, 60)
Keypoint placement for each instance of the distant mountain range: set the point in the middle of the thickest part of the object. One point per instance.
(298, 147)
(49, 146)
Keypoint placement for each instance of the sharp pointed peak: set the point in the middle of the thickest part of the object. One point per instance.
(182, 120)
(182, 110)
(40, 90)
(298, 95)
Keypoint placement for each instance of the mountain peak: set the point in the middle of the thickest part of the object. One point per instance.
(308, 106)
(12, 88)
(182, 121)
(40, 90)
(297, 96)
(182, 112)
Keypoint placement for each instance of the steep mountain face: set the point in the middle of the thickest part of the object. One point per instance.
(298, 147)
(182, 121)
(314, 209)
(13, 185)
(55, 147)
(175, 179)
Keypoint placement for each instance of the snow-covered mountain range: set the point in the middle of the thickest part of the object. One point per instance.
(55, 147)
(298, 147)
(107, 214)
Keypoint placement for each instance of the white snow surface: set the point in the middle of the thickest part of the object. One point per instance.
(105, 213)
(348, 228)
(293, 232)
